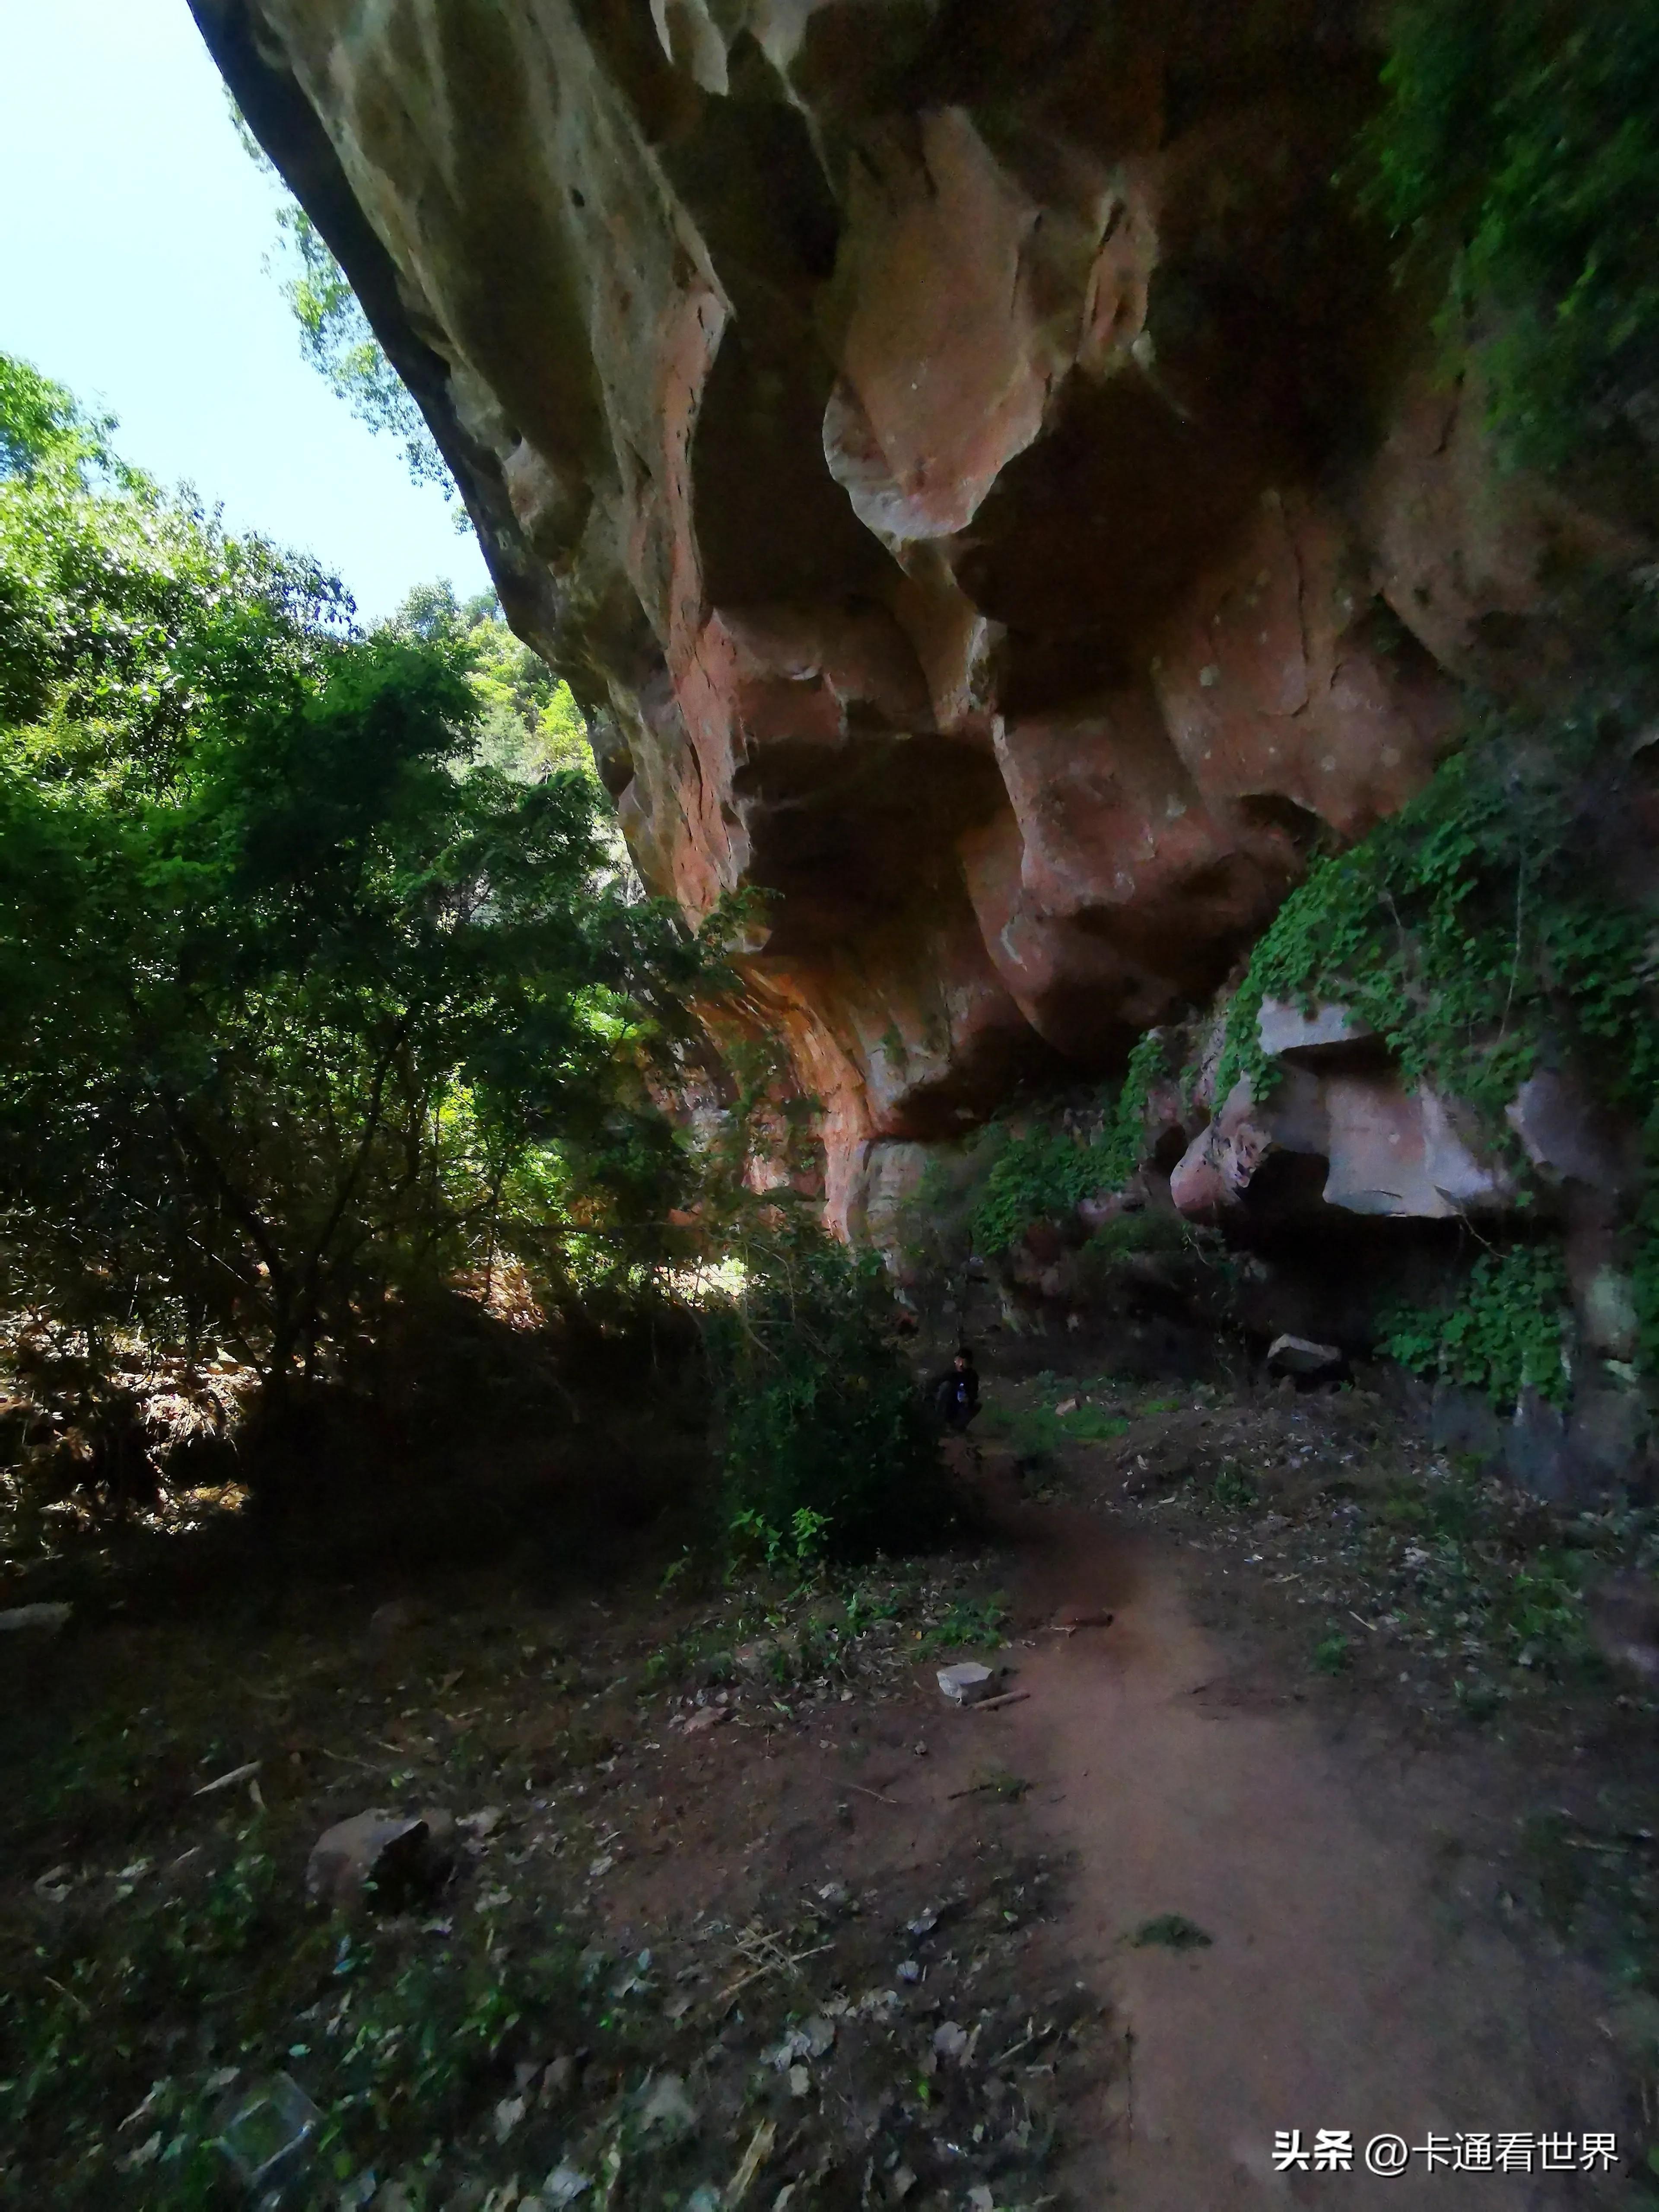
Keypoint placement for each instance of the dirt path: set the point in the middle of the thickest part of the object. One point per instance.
(1361, 1974)
(825, 1838)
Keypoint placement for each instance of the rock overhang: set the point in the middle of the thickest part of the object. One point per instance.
(973, 469)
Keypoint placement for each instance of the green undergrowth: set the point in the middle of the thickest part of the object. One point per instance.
(446, 2061)
(1043, 1171)
(828, 1451)
(1515, 157)
(1593, 1881)
(1474, 932)
(1170, 1931)
(1486, 1578)
(1027, 1417)
(831, 1626)
(1144, 1234)
(1037, 1431)
(1501, 1336)
(159, 1959)
(1441, 1570)
(1232, 1492)
(409, 2030)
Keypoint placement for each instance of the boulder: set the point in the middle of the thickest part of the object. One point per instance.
(391, 1859)
(966, 1684)
(1300, 1355)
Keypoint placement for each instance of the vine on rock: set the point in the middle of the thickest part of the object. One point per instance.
(1043, 1173)
(1473, 933)
(1515, 150)
(1503, 1336)
(1481, 936)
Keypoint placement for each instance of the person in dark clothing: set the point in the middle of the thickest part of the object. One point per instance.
(955, 1392)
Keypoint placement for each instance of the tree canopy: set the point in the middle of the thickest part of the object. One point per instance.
(318, 989)
(529, 722)
(335, 335)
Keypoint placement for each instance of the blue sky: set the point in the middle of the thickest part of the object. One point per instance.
(131, 270)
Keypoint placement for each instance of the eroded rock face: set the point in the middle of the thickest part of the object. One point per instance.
(963, 456)
(1381, 1148)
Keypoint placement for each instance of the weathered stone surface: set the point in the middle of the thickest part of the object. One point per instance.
(1283, 1029)
(1389, 1151)
(1221, 1163)
(1396, 1152)
(1568, 1138)
(390, 1856)
(978, 480)
(1301, 1355)
(1608, 1314)
(1599, 1446)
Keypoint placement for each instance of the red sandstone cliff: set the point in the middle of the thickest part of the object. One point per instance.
(966, 458)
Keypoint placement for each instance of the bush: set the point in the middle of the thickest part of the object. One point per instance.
(821, 1415)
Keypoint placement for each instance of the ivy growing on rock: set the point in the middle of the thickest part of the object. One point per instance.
(1474, 931)
(1043, 1173)
(1483, 934)
(1502, 1337)
(1517, 148)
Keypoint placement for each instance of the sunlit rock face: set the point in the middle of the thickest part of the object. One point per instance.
(964, 456)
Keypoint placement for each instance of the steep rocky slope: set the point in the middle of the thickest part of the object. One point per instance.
(987, 491)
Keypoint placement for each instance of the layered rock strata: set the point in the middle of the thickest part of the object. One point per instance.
(964, 458)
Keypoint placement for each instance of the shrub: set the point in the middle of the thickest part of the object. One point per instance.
(1234, 1492)
(821, 1415)
(1141, 1235)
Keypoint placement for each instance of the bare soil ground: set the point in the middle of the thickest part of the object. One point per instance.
(1361, 1972)
(738, 1911)
(1339, 1824)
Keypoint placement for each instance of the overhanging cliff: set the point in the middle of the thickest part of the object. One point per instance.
(987, 492)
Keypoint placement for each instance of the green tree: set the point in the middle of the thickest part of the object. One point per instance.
(335, 334)
(43, 425)
(529, 723)
(308, 1008)
(338, 341)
